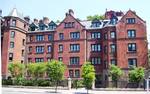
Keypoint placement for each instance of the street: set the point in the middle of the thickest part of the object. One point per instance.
(6, 90)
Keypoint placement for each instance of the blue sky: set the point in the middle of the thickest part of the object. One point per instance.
(56, 9)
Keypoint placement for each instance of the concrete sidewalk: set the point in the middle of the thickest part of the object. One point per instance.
(66, 88)
(9, 90)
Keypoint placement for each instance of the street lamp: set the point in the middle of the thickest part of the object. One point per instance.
(148, 79)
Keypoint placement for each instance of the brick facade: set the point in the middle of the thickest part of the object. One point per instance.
(119, 39)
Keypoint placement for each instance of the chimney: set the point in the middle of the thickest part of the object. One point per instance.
(36, 21)
(71, 12)
(27, 18)
(45, 20)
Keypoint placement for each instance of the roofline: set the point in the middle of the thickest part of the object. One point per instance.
(16, 18)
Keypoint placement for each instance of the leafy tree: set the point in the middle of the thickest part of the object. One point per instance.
(16, 70)
(36, 70)
(115, 73)
(58, 21)
(96, 17)
(136, 75)
(88, 74)
(55, 70)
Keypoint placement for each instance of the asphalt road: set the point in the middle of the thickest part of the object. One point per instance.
(73, 91)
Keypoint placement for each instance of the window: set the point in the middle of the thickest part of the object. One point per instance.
(95, 35)
(11, 44)
(13, 22)
(112, 34)
(131, 47)
(61, 36)
(30, 49)
(39, 37)
(69, 25)
(105, 36)
(71, 73)
(30, 38)
(48, 59)
(131, 34)
(10, 56)
(96, 24)
(130, 20)
(74, 60)
(21, 61)
(77, 73)
(74, 47)
(75, 35)
(113, 48)
(60, 48)
(23, 42)
(52, 27)
(113, 61)
(12, 34)
(49, 48)
(96, 47)
(132, 62)
(22, 53)
(50, 37)
(39, 49)
(105, 49)
(25, 26)
(96, 60)
(29, 60)
(60, 58)
(39, 60)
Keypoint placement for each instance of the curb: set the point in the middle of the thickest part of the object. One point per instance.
(66, 88)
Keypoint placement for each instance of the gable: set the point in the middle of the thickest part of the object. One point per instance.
(132, 14)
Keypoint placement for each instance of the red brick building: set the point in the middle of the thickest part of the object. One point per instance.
(14, 29)
(120, 39)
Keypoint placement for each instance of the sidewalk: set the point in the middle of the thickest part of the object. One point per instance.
(66, 88)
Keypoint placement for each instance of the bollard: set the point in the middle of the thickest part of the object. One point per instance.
(93, 85)
(69, 83)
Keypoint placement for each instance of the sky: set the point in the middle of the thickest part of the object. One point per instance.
(56, 9)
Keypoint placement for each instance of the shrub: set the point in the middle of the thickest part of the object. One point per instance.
(77, 84)
(43, 83)
(28, 83)
(7, 82)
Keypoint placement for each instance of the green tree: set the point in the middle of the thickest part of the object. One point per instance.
(115, 73)
(36, 70)
(88, 75)
(55, 70)
(16, 70)
(136, 75)
(96, 17)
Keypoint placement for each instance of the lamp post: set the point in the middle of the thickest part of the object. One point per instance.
(147, 84)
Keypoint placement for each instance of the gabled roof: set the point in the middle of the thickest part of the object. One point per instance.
(15, 13)
(52, 23)
(133, 13)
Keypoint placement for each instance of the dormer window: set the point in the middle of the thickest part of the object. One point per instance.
(69, 25)
(52, 27)
(130, 20)
(96, 23)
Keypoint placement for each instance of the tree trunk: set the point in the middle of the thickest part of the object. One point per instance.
(116, 83)
(56, 86)
(87, 91)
